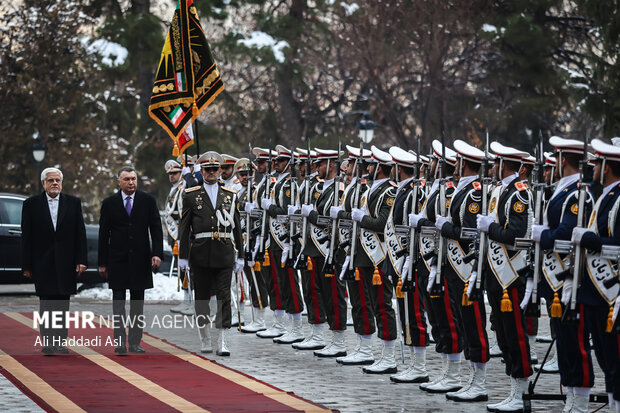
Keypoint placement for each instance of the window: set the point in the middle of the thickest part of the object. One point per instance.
(11, 211)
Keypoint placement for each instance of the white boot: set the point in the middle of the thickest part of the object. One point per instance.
(450, 382)
(476, 391)
(387, 362)
(355, 350)
(495, 351)
(295, 335)
(336, 347)
(235, 315)
(362, 356)
(513, 385)
(416, 373)
(570, 399)
(222, 347)
(516, 403)
(470, 381)
(439, 377)
(258, 324)
(533, 355)
(205, 339)
(315, 341)
(551, 366)
(276, 330)
(182, 305)
(581, 404)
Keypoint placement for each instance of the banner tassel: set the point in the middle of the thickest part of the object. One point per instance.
(556, 306)
(506, 303)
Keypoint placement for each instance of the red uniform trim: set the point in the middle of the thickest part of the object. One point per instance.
(450, 317)
(418, 314)
(484, 346)
(365, 319)
(291, 280)
(337, 326)
(382, 312)
(525, 357)
(276, 286)
(585, 366)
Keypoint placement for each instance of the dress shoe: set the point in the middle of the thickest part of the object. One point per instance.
(48, 351)
(121, 350)
(61, 350)
(136, 349)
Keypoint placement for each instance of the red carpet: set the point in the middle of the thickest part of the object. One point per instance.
(166, 378)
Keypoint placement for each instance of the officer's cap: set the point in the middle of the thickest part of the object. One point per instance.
(468, 152)
(380, 156)
(450, 154)
(354, 153)
(229, 159)
(508, 153)
(210, 158)
(566, 145)
(242, 165)
(326, 154)
(283, 152)
(172, 166)
(425, 160)
(605, 150)
(549, 159)
(191, 160)
(530, 160)
(261, 153)
(401, 157)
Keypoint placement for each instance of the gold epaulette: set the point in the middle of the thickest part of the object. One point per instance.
(192, 189)
(229, 190)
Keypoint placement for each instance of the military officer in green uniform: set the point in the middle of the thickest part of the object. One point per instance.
(211, 243)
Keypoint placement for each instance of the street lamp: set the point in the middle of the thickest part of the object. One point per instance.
(367, 130)
(39, 150)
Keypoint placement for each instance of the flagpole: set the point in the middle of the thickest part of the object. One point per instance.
(195, 126)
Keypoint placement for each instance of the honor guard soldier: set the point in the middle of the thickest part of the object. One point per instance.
(228, 177)
(243, 170)
(447, 327)
(574, 360)
(599, 284)
(465, 205)
(509, 217)
(210, 238)
(329, 301)
(398, 262)
(191, 171)
(174, 208)
(372, 216)
(285, 279)
(268, 271)
(363, 323)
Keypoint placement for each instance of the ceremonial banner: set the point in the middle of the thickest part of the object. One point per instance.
(187, 78)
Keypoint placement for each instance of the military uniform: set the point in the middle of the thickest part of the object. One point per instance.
(210, 239)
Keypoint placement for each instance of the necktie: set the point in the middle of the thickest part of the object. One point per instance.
(128, 205)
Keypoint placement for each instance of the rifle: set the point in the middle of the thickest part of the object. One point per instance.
(265, 194)
(571, 314)
(533, 308)
(413, 238)
(293, 201)
(304, 221)
(248, 231)
(330, 266)
(356, 204)
(485, 180)
(436, 289)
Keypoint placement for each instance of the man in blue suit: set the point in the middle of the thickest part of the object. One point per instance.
(126, 257)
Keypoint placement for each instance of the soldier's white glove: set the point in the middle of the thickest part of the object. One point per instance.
(334, 211)
(537, 231)
(239, 265)
(439, 221)
(249, 207)
(483, 222)
(266, 203)
(578, 235)
(567, 291)
(186, 170)
(197, 168)
(183, 263)
(292, 209)
(414, 219)
(472, 282)
(285, 250)
(431, 278)
(614, 316)
(345, 267)
(529, 285)
(405, 270)
(357, 214)
(306, 209)
(256, 247)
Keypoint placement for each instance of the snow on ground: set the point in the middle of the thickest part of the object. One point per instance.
(261, 39)
(164, 288)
